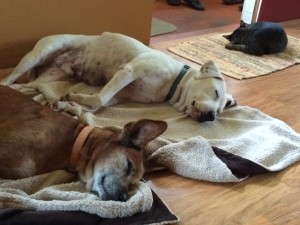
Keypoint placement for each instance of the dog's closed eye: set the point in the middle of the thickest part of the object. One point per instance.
(217, 94)
(130, 168)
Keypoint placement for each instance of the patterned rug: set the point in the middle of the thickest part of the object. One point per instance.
(233, 63)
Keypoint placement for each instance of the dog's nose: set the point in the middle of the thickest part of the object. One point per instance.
(209, 116)
(123, 197)
(110, 187)
(95, 192)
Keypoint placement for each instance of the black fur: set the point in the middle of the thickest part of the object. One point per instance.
(258, 39)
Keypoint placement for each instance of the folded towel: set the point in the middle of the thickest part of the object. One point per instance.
(61, 190)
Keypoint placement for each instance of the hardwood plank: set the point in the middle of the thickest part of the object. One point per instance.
(286, 211)
(259, 220)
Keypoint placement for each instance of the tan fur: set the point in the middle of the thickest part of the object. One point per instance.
(35, 139)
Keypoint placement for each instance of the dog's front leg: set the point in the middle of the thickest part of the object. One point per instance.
(121, 79)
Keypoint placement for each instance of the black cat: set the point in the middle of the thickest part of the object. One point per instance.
(258, 39)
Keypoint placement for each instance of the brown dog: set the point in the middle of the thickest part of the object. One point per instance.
(35, 139)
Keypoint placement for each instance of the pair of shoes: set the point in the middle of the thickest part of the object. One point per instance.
(231, 2)
(174, 2)
(195, 4)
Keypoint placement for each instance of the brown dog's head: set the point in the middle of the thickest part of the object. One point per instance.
(112, 158)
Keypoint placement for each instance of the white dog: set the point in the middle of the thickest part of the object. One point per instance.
(129, 71)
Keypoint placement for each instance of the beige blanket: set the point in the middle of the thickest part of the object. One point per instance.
(185, 149)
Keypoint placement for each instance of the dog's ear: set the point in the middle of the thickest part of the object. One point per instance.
(230, 101)
(139, 133)
(209, 69)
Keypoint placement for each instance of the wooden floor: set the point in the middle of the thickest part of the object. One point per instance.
(272, 199)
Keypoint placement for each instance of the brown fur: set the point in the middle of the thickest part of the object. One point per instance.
(35, 139)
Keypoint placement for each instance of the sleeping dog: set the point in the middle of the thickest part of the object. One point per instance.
(129, 71)
(34, 139)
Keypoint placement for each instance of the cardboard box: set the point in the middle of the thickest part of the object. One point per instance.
(23, 23)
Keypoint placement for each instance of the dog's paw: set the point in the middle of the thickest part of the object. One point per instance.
(71, 108)
(63, 105)
(230, 102)
(59, 105)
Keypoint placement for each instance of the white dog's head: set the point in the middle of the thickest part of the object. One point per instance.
(204, 94)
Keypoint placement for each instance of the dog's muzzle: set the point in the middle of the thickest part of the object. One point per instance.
(203, 116)
(109, 187)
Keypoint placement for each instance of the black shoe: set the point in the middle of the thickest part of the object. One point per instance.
(231, 2)
(195, 4)
(174, 2)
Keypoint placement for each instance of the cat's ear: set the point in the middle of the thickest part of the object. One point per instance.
(243, 24)
(228, 36)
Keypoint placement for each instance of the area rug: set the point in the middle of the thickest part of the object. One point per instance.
(233, 63)
(161, 27)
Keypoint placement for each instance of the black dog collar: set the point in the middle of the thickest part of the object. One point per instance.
(177, 81)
